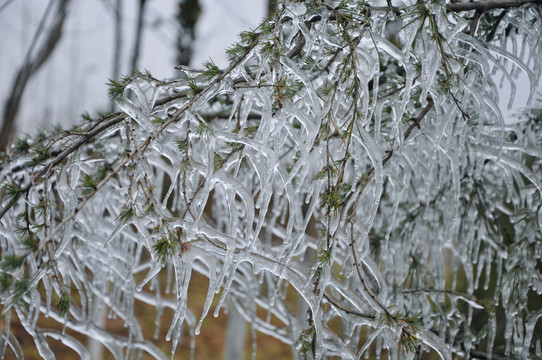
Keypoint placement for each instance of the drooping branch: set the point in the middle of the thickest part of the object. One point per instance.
(482, 6)
(85, 138)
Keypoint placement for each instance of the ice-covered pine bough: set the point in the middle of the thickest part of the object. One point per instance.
(369, 179)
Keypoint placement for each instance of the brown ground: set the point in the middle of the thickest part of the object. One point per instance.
(210, 343)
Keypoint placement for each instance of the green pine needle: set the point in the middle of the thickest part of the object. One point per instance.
(88, 184)
(193, 87)
(331, 199)
(12, 192)
(204, 129)
(116, 88)
(126, 214)
(21, 146)
(86, 116)
(20, 288)
(64, 304)
(250, 130)
(211, 70)
(21, 230)
(324, 257)
(149, 209)
(163, 249)
(29, 242)
(5, 281)
(247, 37)
(235, 52)
(218, 162)
(158, 120)
(181, 146)
(11, 262)
(322, 173)
(409, 341)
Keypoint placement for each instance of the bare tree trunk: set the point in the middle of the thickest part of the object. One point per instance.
(5, 4)
(235, 335)
(30, 67)
(188, 15)
(117, 44)
(139, 34)
(99, 313)
(271, 6)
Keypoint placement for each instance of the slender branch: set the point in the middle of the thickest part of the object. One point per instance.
(483, 6)
(496, 23)
(476, 354)
(441, 291)
(480, 6)
(117, 117)
(416, 121)
(333, 301)
(474, 23)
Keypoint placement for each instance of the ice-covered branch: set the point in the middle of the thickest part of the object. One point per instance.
(486, 5)
(370, 181)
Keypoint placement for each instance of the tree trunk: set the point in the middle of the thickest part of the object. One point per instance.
(188, 15)
(139, 34)
(29, 68)
(117, 44)
(271, 6)
(235, 335)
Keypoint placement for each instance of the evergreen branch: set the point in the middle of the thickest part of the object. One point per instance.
(117, 117)
(480, 6)
(103, 125)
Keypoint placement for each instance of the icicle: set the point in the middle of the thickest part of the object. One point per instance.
(115, 232)
(436, 343)
(213, 283)
(529, 332)
(183, 272)
(69, 341)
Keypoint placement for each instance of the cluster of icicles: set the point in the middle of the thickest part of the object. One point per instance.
(312, 178)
